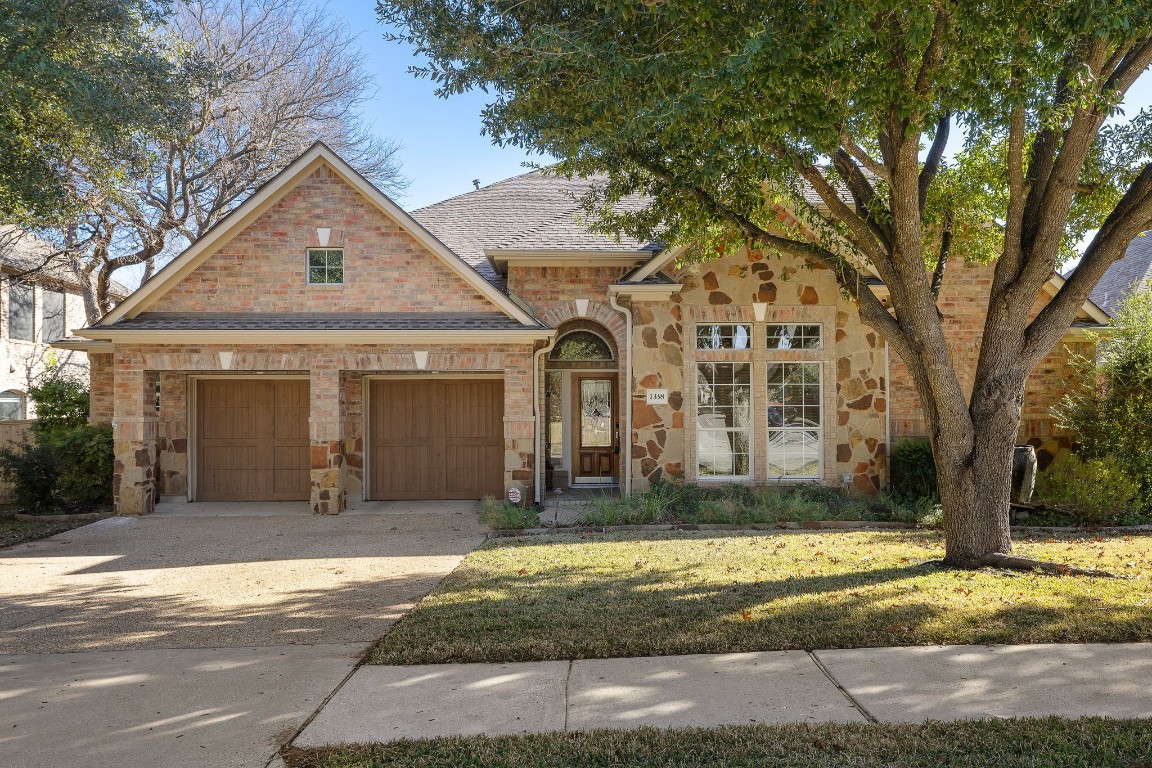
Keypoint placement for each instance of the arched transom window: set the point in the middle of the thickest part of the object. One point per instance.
(581, 345)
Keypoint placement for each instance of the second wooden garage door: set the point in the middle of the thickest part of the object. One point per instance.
(436, 438)
(252, 440)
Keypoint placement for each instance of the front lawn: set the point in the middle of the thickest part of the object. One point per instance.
(599, 596)
(20, 531)
(1047, 743)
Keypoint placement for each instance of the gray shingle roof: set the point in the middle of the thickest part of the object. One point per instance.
(313, 321)
(533, 211)
(1123, 276)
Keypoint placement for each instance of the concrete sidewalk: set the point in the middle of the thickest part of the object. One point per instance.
(380, 703)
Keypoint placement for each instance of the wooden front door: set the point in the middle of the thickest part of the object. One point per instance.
(596, 431)
(436, 438)
(252, 440)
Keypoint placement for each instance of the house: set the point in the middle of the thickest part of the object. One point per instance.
(39, 301)
(320, 344)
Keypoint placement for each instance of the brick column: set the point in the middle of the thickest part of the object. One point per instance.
(326, 428)
(101, 386)
(519, 425)
(134, 434)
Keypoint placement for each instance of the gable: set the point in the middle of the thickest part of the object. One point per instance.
(263, 268)
(247, 263)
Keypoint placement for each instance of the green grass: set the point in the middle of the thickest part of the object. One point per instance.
(616, 595)
(19, 531)
(1046, 743)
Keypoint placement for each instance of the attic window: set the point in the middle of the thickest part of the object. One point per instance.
(325, 266)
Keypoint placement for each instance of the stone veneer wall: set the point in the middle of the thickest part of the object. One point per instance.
(724, 290)
(152, 448)
(262, 269)
(964, 301)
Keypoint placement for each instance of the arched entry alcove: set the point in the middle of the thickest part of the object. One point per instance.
(583, 407)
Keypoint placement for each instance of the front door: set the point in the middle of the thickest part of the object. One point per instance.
(596, 437)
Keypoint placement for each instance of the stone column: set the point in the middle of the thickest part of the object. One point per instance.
(134, 436)
(326, 428)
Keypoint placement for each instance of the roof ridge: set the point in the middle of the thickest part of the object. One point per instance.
(491, 186)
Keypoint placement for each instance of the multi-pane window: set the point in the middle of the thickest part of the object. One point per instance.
(21, 311)
(794, 419)
(325, 266)
(724, 336)
(723, 419)
(785, 336)
(53, 327)
(11, 406)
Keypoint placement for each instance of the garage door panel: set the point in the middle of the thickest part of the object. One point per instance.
(252, 440)
(475, 409)
(475, 470)
(436, 439)
(405, 472)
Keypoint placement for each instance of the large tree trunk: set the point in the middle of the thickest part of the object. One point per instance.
(976, 481)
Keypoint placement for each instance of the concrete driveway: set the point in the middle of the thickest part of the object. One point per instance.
(193, 639)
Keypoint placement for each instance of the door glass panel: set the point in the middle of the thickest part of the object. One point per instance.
(595, 413)
(555, 398)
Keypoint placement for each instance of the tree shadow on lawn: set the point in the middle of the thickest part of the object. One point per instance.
(574, 612)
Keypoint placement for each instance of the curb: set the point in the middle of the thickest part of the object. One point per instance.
(78, 517)
(813, 525)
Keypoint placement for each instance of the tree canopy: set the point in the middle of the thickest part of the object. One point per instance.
(841, 111)
(77, 78)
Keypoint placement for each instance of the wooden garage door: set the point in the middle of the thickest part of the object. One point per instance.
(436, 438)
(252, 440)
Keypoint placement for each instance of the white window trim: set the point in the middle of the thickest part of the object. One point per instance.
(750, 429)
(308, 264)
(770, 430)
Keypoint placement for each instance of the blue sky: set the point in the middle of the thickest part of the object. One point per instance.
(443, 150)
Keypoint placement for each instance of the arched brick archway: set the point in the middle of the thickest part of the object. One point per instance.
(564, 462)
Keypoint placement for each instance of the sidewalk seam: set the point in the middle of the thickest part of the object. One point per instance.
(851, 699)
(567, 680)
(308, 721)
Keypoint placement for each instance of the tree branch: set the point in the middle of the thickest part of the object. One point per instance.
(935, 155)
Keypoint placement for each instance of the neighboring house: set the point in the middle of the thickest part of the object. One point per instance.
(322, 344)
(40, 302)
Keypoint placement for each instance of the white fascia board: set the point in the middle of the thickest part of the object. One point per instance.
(659, 261)
(501, 259)
(646, 291)
(1056, 282)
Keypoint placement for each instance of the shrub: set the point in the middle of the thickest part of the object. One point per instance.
(85, 459)
(61, 401)
(1108, 402)
(503, 515)
(914, 471)
(1093, 491)
(65, 461)
(32, 468)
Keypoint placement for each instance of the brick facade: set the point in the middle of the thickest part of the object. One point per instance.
(262, 269)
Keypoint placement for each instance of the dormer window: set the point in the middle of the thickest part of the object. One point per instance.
(325, 266)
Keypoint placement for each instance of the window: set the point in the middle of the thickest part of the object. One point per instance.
(581, 345)
(554, 396)
(53, 327)
(727, 336)
(794, 420)
(782, 336)
(21, 311)
(723, 419)
(11, 406)
(325, 266)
